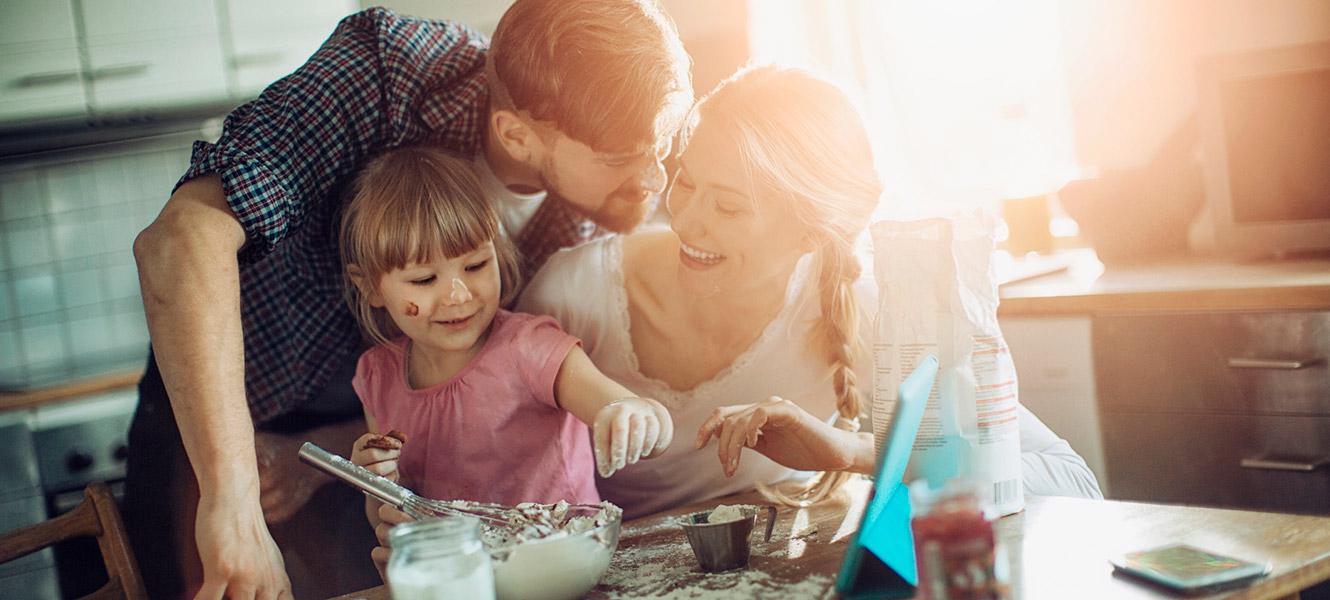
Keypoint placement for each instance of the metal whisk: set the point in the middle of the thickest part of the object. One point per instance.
(418, 507)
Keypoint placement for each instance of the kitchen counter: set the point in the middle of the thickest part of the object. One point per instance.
(1057, 548)
(67, 391)
(1176, 284)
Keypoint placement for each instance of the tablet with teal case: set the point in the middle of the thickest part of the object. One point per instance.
(880, 560)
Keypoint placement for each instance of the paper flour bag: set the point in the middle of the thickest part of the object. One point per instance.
(938, 296)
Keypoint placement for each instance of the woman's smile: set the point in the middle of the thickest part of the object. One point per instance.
(697, 258)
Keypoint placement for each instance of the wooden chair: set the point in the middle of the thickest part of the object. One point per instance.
(98, 517)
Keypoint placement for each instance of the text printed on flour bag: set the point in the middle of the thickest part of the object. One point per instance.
(937, 295)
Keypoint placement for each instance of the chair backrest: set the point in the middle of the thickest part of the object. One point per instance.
(97, 517)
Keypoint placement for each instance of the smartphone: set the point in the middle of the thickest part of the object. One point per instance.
(1189, 569)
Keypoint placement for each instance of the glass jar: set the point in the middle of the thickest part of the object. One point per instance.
(957, 553)
(440, 558)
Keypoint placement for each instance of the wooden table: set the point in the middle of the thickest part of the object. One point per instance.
(1057, 548)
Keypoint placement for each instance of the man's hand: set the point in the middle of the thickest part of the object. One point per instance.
(388, 517)
(628, 430)
(240, 559)
(780, 430)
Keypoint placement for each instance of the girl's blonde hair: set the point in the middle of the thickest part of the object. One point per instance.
(406, 205)
(802, 138)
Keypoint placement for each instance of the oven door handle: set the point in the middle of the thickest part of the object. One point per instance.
(1286, 364)
(59, 503)
(1284, 464)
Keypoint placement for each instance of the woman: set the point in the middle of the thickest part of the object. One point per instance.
(744, 318)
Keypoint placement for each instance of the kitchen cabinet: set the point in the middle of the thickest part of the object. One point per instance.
(1210, 381)
(1217, 408)
(65, 62)
(145, 54)
(270, 38)
(40, 72)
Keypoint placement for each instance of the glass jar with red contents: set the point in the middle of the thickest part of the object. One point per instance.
(954, 545)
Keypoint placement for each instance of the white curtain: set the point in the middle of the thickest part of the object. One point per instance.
(966, 101)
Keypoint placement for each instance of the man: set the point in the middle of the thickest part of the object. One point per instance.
(240, 276)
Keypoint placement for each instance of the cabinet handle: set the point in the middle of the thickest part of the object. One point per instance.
(125, 70)
(253, 59)
(47, 78)
(1280, 464)
(1287, 364)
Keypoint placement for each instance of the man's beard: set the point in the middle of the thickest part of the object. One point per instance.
(622, 215)
(619, 213)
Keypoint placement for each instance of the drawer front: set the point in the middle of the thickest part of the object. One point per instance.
(1197, 459)
(1181, 362)
(141, 74)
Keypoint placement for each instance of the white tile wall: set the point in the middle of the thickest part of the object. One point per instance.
(69, 295)
(6, 305)
(22, 196)
(36, 294)
(9, 351)
(42, 344)
(29, 243)
(82, 288)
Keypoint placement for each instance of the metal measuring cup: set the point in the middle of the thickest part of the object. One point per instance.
(724, 546)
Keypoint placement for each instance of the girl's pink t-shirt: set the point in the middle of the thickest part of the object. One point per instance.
(492, 433)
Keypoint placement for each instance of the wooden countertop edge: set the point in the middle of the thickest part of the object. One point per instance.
(1316, 297)
(1288, 585)
(82, 387)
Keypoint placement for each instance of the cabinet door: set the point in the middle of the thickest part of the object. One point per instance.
(271, 38)
(39, 61)
(1214, 362)
(1199, 459)
(153, 53)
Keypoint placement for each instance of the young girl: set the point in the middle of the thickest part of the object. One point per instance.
(492, 403)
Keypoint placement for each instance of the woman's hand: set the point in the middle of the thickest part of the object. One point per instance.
(388, 518)
(630, 429)
(378, 454)
(783, 432)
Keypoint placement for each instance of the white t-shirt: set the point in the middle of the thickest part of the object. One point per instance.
(583, 288)
(514, 209)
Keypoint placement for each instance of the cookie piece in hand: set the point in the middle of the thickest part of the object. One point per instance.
(393, 440)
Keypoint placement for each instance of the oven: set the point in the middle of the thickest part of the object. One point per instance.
(21, 505)
(75, 443)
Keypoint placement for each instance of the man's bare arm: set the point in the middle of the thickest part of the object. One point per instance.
(190, 281)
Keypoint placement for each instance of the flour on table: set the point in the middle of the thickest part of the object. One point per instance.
(664, 568)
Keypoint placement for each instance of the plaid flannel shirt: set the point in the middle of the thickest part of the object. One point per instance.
(380, 81)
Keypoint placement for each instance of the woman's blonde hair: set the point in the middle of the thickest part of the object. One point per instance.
(406, 205)
(802, 138)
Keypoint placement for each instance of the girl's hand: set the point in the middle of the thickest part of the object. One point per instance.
(378, 454)
(781, 431)
(388, 518)
(628, 430)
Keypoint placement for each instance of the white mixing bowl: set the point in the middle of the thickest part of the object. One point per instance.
(560, 568)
